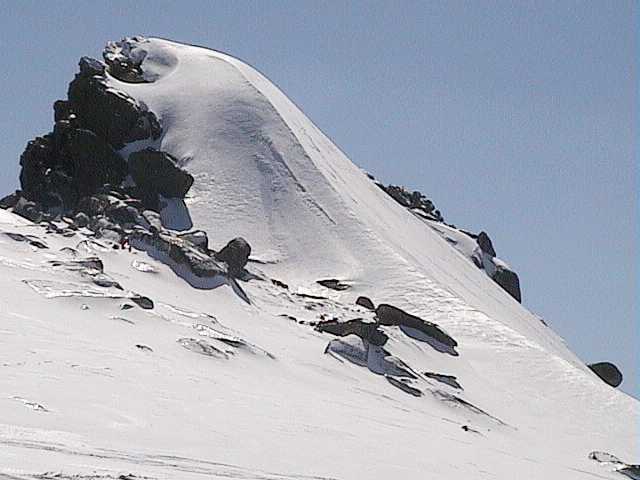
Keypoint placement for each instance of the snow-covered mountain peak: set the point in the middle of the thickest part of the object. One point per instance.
(179, 359)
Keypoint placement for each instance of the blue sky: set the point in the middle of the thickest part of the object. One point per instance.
(519, 118)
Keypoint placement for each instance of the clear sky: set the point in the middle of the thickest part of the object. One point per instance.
(519, 118)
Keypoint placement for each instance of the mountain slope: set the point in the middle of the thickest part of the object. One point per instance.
(226, 388)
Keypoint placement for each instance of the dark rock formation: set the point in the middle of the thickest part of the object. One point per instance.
(412, 200)
(113, 115)
(509, 281)
(182, 252)
(93, 162)
(123, 67)
(235, 254)
(333, 284)
(485, 244)
(608, 372)
(79, 156)
(158, 173)
(366, 331)
(365, 302)
(393, 316)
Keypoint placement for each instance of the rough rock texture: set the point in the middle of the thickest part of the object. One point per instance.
(158, 173)
(393, 316)
(608, 372)
(509, 281)
(235, 254)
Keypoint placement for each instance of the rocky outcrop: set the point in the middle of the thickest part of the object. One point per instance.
(394, 316)
(608, 372)
(485, 244)
(365, 330)
(509, 281)
(412, 200)
(180, 251)
(110, 114)
(235, 254)
(158, 173)
(79, 157)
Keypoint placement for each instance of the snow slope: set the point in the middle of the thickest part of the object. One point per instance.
(80, 396)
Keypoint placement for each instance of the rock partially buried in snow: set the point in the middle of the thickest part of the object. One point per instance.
(365, 302)
(394, 316)
(366, 331)
(235, 254)
(608, 372)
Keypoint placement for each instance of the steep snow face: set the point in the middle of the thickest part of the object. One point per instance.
(207, 385)
(264, 171)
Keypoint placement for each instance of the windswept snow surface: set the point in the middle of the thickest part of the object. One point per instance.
(206, 385)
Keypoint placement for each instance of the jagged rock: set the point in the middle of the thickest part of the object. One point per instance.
(235, 254)
(111, 114)
(364, 330)
(509, 281)
(365, 302)
(485, 244)
(393, 316)
(158, 172)
(608, 372)
(93, 161)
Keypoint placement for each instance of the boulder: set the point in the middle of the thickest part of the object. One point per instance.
(485, 244)
(393, 316)
(235, 254)
(509, 281)
(157, 172)
(365, 302)
(608, 372)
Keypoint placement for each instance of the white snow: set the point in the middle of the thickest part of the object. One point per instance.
(147, 391)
